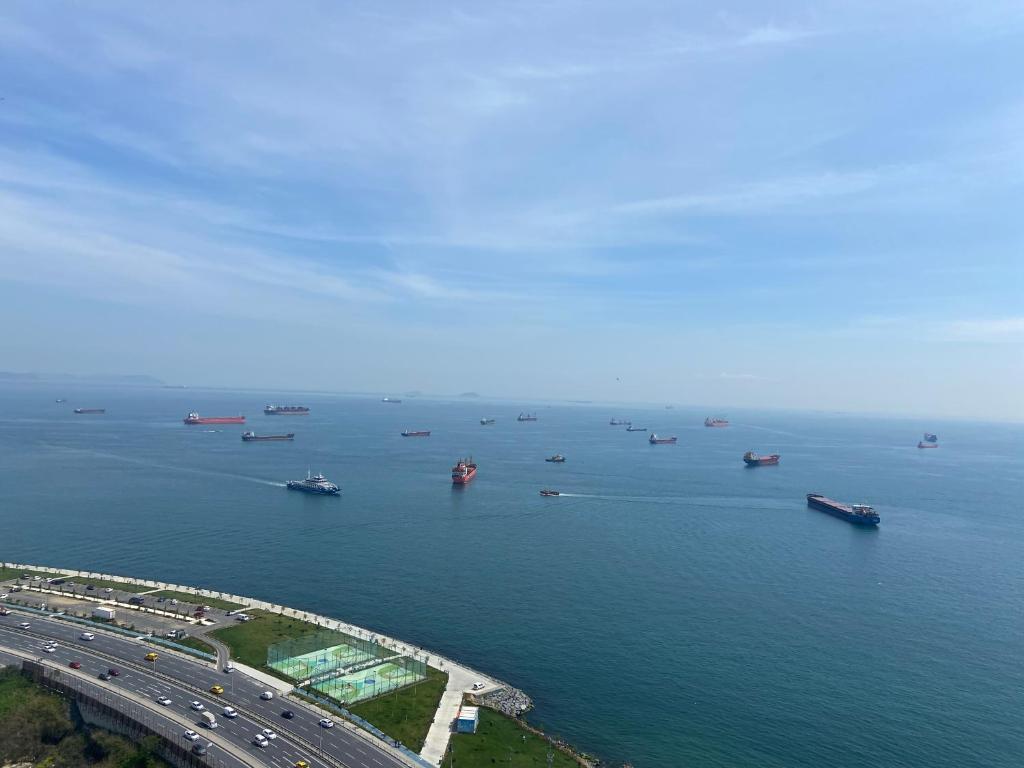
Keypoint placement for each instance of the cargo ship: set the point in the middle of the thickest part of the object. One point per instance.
(286, 410)
(390, 400)
(549, 492)
(620, 422)
(416, 433)
(655, 440)
(463, 471)
(716, 421)
(317, 484)
(929, 437)
(485, 422)
(195, 418)
(927, 445)
(858, 514)
(751, 459)
(60, 400)
(252, 437)
(631, 428)
(556, 459)
(90, 410)
(526, 417)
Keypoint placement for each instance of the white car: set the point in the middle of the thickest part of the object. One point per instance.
(269, 734)
(163, 700)
(478, 686)
(87, 636)
(49, 648)
(24, 625)
(260, 740)
(190, 735)
(230, 712)
(173, 601)
(3, 596)
(197, 706)
(267, 695)
(326, 722)
(230, 667)
(108, 591)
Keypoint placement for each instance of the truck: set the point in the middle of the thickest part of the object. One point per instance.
(208, 719)
(103, 612)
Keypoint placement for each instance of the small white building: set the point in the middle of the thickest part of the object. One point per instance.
(103, 612)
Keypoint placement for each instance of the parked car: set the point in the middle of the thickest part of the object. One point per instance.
(107, 590)
(90, 588)
(477, 686)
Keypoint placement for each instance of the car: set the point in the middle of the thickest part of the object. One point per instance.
(197, 706)
(49, 648)
(87, 636)
(190, 735)
(163, 701)
(216, 690)
(113, 672)
(230, 667)
(230, 712)
(269, 733)
(161, 599)
(301, 764)
(90, 587)
(173, 601)
(200, 749)
(24, 625)
(287, 714)
(3, 595)
(108, 590)
(151, 656)
(57, 581)
(260, 740)
(4, 612)
(326, 722)
(136, 600)
(477, 686)
(75, 665)
(267, 695)
(104, 676)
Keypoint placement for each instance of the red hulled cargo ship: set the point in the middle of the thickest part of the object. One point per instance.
(463, 471)
(751, 459)
(195, 418)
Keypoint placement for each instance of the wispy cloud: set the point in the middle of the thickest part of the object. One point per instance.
(994, 330)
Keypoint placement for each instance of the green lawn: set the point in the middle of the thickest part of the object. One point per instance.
(192, 599)
(194, 642)
(6, 574)
(406, 714)
(124, 586)
(499, 740)
(249, 640)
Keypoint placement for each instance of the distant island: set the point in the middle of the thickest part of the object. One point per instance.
(135, 380)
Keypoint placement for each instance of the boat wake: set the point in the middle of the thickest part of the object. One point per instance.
(170, 467)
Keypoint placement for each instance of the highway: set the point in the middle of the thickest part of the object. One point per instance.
(184, 680)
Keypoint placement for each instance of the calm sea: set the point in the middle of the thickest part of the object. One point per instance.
(677, 609)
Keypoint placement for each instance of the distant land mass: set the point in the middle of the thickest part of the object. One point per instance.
(469, 394)
(137, 380)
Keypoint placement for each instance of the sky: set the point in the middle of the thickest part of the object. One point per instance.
(748, 204)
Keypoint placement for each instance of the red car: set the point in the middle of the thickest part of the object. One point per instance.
(75, 665)
(113, 672)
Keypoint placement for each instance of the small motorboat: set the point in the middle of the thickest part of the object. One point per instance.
(556, 459)
(549, 492)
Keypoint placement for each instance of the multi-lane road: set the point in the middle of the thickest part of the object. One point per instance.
(183, 681)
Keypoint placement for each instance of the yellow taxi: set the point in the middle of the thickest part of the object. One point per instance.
(217, 690)
(151, 656)
(301, 764)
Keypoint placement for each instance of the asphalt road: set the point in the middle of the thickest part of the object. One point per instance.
(184, 680)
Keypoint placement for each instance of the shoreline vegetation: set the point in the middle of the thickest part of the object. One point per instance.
(405, 714)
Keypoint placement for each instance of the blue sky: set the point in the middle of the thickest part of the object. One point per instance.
(739, 204)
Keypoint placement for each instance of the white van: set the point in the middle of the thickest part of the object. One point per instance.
(208, 720)
(87, 636)
(230, 712)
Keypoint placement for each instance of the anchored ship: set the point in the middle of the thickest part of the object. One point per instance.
(527, 417)
(195, 418)
(252, 437)
(631, 428)
(751, 459)
(463, 471)
(90, 410)
(716, 421)
(620, 422)
(416, 433)
(485, 422)
(655, 440)
(858, 514)
(556, 459)
(317, 484)
(929, 437)
(285, 410)
(390, 400)
(927, 445)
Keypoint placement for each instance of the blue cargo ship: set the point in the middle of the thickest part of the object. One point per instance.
(858, 514)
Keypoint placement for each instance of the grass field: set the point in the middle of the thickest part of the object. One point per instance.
(406, 714)
(124, 586)
(188, 597)
(6, 574)
(195, 642)
(499, 740)
(249, 640)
